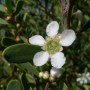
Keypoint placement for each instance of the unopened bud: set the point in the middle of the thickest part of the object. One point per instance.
(8, 18)
(51, 78)
(41, 74)
(17, 39)
(46, 75)
(17, 25)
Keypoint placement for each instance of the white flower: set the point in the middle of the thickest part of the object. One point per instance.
(83, 78)
(52, 45)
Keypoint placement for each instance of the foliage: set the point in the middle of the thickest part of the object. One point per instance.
(21, 19)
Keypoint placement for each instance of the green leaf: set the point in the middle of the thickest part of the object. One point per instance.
(20, 53)
(86, 26)
(2, 8)
(7, 68)
(19, 6)
(87, 87)
(8, 4)
(2, 21)
(7, 41)
(24, 81)
(65, 87)
(14, 85)
(30, 78)
(30, 68)
(62, 86)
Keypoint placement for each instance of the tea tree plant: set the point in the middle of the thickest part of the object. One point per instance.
(44, 45)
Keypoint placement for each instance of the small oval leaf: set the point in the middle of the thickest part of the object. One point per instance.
(30, 68)
(8, 4)
(2, 21)
(2, 8)
(19, 6)
(30, 78)
(20, 53)
(14, 85)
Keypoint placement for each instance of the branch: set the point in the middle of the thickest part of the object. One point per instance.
(46, 86)
(67, 6)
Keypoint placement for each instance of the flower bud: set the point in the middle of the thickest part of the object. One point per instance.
(17, 39)
(41, 74)
(46, 75)
(17, 25)
(51, 78)
(8, 18)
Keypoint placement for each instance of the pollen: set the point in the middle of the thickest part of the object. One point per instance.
(52, 45)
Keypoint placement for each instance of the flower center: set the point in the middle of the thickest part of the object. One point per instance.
(52, 45)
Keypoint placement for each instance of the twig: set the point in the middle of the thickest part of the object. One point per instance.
(46, 86)
(67, 6)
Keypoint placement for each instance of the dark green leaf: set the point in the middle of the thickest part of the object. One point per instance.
(62, 86)
(86, 26)
(2, 21)
(19, 6)
(29, 68)
(2, 8)
(7, 67)
(7, 41)
(24, 81)
(20, 53)
(30, 78)
(65, 87)
(87, 87)
(8, 4)
(14, 85)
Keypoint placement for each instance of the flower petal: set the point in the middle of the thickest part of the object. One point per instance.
(40, 58)
(55, 72)
(37, 40)
(58, 60)
(78, 79)
(67, 37)
(52, 29)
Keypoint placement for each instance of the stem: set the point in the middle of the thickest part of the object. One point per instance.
(46, 86)
(67, 6)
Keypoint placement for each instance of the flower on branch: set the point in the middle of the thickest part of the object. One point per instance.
(52, 45)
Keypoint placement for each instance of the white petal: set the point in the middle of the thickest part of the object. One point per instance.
(85, 81)
(55, 72)
(78, 79)
(81, 82)
(58, 60)
(67, 37)
(37, 40)
(87, 74)
(40, 58)
(52, 29)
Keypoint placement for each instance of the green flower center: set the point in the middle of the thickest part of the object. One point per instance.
(52, 45)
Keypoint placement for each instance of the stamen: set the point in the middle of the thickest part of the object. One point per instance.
(52, 45)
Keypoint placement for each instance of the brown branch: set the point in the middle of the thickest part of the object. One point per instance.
(46, 86)
(67, 6)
